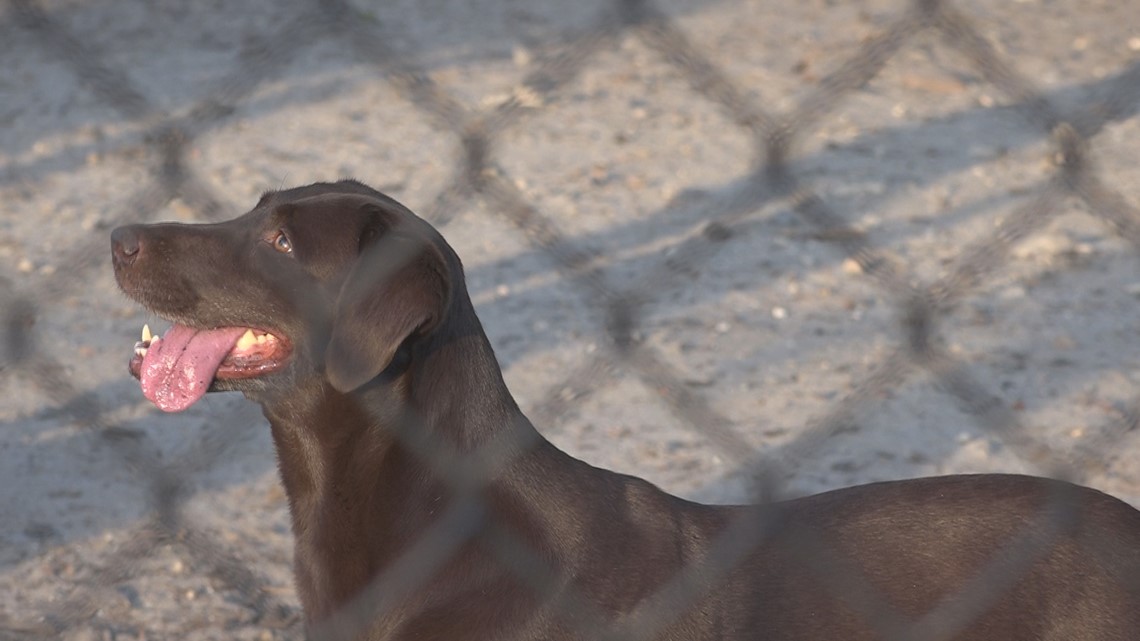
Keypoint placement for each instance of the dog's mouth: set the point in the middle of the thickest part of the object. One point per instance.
(178, 368)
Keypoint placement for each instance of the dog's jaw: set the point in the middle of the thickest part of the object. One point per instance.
(177, 369)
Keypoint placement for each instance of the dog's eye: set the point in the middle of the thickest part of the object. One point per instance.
(282, 244)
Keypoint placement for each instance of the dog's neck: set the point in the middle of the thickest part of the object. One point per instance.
(365, 484)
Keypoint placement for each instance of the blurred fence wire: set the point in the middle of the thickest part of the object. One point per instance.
(476, 175)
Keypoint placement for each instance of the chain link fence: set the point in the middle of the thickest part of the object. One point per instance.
(921, 306)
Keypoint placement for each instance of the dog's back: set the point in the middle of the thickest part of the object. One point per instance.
(968, 558)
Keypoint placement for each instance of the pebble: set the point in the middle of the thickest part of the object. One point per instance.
(182, 211)
(520, 56)
(599, 174)
(1043, 247)
(933, 84)
(779, 313)
(1012, 293)
(1065, 343)
(851, 266)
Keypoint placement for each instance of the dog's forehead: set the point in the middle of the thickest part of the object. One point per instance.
(325, 203)
(323, 206)
(328, 216)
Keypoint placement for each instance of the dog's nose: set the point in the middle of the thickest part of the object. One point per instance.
(126, 245)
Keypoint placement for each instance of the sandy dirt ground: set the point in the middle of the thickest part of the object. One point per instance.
(772, 328)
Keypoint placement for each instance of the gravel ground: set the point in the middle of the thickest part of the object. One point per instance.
(772, 330)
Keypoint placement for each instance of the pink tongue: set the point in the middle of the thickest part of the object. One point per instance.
(178, 369)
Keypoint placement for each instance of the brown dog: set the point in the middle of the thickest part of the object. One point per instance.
(426, 506)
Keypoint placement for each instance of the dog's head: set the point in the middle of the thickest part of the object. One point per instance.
(330, 280)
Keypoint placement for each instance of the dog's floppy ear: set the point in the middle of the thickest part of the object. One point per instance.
(398, 287)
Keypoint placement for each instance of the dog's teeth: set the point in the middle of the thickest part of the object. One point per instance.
(261, 339)
(247, 340)
(146, 335)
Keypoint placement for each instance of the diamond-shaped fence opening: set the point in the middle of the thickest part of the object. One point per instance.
(341, 67)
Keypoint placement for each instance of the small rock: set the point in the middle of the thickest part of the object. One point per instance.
(25, 266)
(599, 175)
(944, 85)
(130, 594)
(1064, 343)
(520, 56)
(1044, 247)
(40, 531)
(779, 313)
(722, 327)
(851, 266)
(717, 231)
(1012, 293)
(181, 210)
